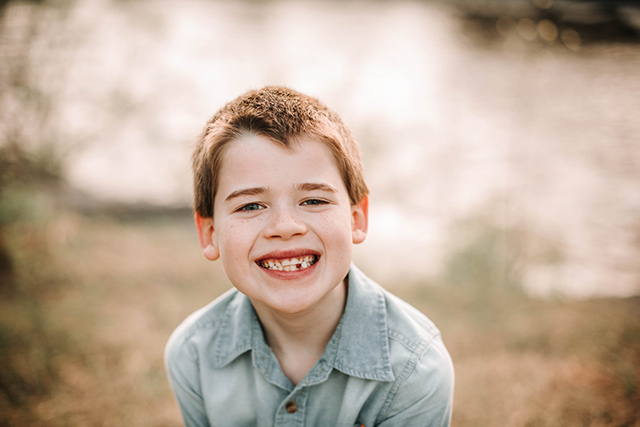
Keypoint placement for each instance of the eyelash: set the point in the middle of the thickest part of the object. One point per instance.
(314, 202)
(250, 207)
(246, 208)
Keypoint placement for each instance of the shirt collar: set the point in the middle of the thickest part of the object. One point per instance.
(359, 346)
(235, 334)
(363, 344)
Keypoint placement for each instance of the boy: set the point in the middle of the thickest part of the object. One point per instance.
(305, 338)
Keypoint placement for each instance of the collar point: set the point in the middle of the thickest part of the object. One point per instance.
(383, 374)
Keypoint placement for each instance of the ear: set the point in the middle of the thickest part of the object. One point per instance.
(204, 226)
(360, 220)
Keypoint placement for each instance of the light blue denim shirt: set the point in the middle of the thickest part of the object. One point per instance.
(385, 365)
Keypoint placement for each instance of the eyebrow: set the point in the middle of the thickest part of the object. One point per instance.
(306, 186)
(254, 191)
(313, 186)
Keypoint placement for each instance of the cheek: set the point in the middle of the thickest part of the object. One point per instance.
(235, 248)
(337, 227)
(233, 239)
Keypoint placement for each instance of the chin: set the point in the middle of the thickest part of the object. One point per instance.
(293, 307)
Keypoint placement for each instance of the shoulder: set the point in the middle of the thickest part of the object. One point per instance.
(409, 326)
(189, 346)
(202, 325)
(415, 343)
(424, 375)
(422, 388)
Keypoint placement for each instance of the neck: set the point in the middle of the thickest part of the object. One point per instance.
(299, 339)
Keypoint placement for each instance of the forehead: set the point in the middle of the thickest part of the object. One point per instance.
(256, 160)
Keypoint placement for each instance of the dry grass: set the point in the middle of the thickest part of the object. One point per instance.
(84, 329)
(524, 362)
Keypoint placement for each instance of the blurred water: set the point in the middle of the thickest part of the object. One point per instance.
(535, 140)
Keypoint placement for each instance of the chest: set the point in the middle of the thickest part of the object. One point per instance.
(240, 395)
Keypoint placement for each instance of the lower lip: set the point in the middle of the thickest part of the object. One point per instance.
(289, 275)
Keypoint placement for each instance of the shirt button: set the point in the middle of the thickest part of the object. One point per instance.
(291, 407)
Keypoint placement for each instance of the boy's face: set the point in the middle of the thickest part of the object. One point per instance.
(283, 223)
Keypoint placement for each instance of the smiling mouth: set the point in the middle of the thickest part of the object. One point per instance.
(288, 264)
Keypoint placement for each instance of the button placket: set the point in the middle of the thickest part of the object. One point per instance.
(292, 411)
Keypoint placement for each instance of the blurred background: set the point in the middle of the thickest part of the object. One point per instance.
(500, 141)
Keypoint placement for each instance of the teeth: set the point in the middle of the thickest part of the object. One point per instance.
(290, 264)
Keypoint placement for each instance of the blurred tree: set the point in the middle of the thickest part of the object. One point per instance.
(34, 54)
(33, 47)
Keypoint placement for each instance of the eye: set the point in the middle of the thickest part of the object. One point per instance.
(250, 207)
(314, 202)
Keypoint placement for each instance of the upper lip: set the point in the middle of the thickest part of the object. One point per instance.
(288, 253)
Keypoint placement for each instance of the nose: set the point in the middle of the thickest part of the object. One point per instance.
(284, 223)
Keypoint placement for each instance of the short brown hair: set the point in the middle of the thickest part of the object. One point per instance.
(282, 115)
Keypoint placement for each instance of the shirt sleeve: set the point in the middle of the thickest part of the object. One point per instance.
(184, 375)
(423, 395)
